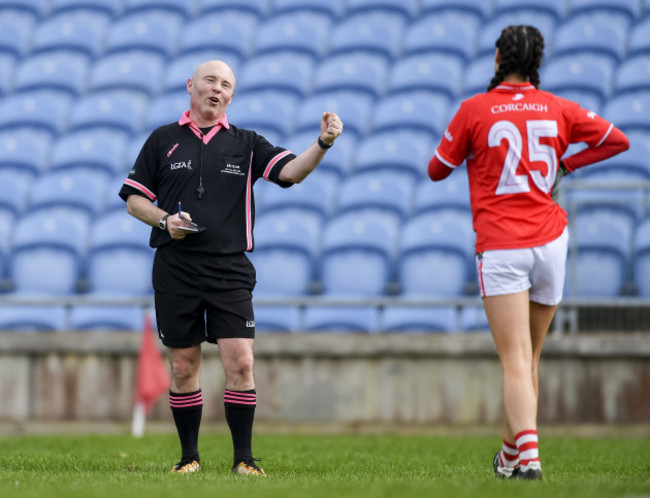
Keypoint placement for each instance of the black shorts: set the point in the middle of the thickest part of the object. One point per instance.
(202, 297)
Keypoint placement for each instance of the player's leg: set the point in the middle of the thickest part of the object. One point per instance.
(181, 328)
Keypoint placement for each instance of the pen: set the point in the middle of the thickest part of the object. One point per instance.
(179, 210)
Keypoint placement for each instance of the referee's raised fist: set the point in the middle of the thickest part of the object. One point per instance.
(331, 127)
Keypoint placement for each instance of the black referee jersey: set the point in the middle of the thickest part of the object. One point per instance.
(178, 160)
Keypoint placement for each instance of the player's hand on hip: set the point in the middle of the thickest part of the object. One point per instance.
(331, 127)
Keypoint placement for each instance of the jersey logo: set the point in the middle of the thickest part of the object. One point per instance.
(250, 323)
(591, 114)
(172, 150)
(187, 165)
(518, 96)
(449, 136)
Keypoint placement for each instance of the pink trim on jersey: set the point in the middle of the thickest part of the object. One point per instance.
(141, 188)
(274, 161)
(445, 161)
(609, 130)
(240, 398)
(186, 120)
(185, 401)
(249, 207)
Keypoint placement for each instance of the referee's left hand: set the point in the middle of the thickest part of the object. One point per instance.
(331, 127)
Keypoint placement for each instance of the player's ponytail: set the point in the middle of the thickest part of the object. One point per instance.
(521, 49)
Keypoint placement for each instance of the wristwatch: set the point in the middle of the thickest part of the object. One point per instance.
(162, 224)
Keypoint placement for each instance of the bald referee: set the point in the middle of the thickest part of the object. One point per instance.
(193, 183)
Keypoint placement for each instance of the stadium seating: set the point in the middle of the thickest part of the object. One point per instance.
(301, 33)
(412, 319)
(365, 73)
(360, 319)
(39, 110)
(284, 256)
(639, 38)
(419, 111)
(630, 112)
(448, 33)
(479, 9)
(155, 32)
(80, 32)
(119, 257)
(24, 152)
(425, 72)
(35, 8)
(284, 72)
(311, 199)
(107, 318)
(47, 251)
(590, 34)
(337, 163)
(642, 258)
(135, 70)
(591, 74)
(260, 110)
(61, 71)
(277, 319)
(334, 8)
(109, 8)
(99, 151)
(556, 8)
(633, 75)
(7, 65)
(407, 9)
(166, 109)
(120, 110)
(260, 8)
(15, 33)
(473, 319)
(629, 10)
(33, 318)
(489, 34)
(370, 33)
(185, 9)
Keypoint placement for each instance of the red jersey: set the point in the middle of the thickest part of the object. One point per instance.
(512, 138)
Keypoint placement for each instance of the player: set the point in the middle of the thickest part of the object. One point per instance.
(512, 138)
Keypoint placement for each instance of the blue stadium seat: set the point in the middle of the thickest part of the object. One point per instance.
(370, 190)
(556, 8)
(47, 254)
(167, 108)
(227, 34)
(630, 112)
(623, 205)
(449, 33)
(305, 33)
(133, 149)
(473, 319)
(277, 318)
(338, 160)
(591, 74)
(61, 71)
(25, 152)
(629, 10)
(135, 70)
(36, 8)
(15, 33)
(285, 72)
(92, 150)
(261, 8)
(26, 318)
(185, 9)
(406, 9)
(261, 110)
(7, 70)
(110, 8)
(182, 67)
(13, 199)
(310, 198)
(360, 72)
(112, 201)
(414, 319)
(424, 72)
(633, 75)
(284, 257)
(597, 242)
(116, 109)
(334, 8)
(491, 31)
(633, 161)
(41, 110)
(479, 9)
(374, 33)
(77, 194)
(450, 193)
(642, 258)
(404, 152)
(415, 110)
(107, 318)
(586, 100)
(353, 108)
(119, 257)
(639, 38)
(347, 319)
(478, 74)
(357, 257)
(590, 34)
(156, 32)
(435, 257)
(78, 32)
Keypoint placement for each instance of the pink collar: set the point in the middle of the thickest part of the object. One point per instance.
(185, 120)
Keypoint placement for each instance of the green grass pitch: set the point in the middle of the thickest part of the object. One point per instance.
(315, 466)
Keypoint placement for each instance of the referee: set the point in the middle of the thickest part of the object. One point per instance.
(193, 182)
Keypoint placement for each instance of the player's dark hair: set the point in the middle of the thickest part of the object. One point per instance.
(521, 49)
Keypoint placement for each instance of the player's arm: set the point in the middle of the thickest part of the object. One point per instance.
(146, 211)
(298, 168)
(438, 170)
(613, 143)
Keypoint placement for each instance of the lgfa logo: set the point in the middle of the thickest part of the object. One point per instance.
(187, 165)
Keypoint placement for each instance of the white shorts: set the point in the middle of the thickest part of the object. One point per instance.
(538, 269)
